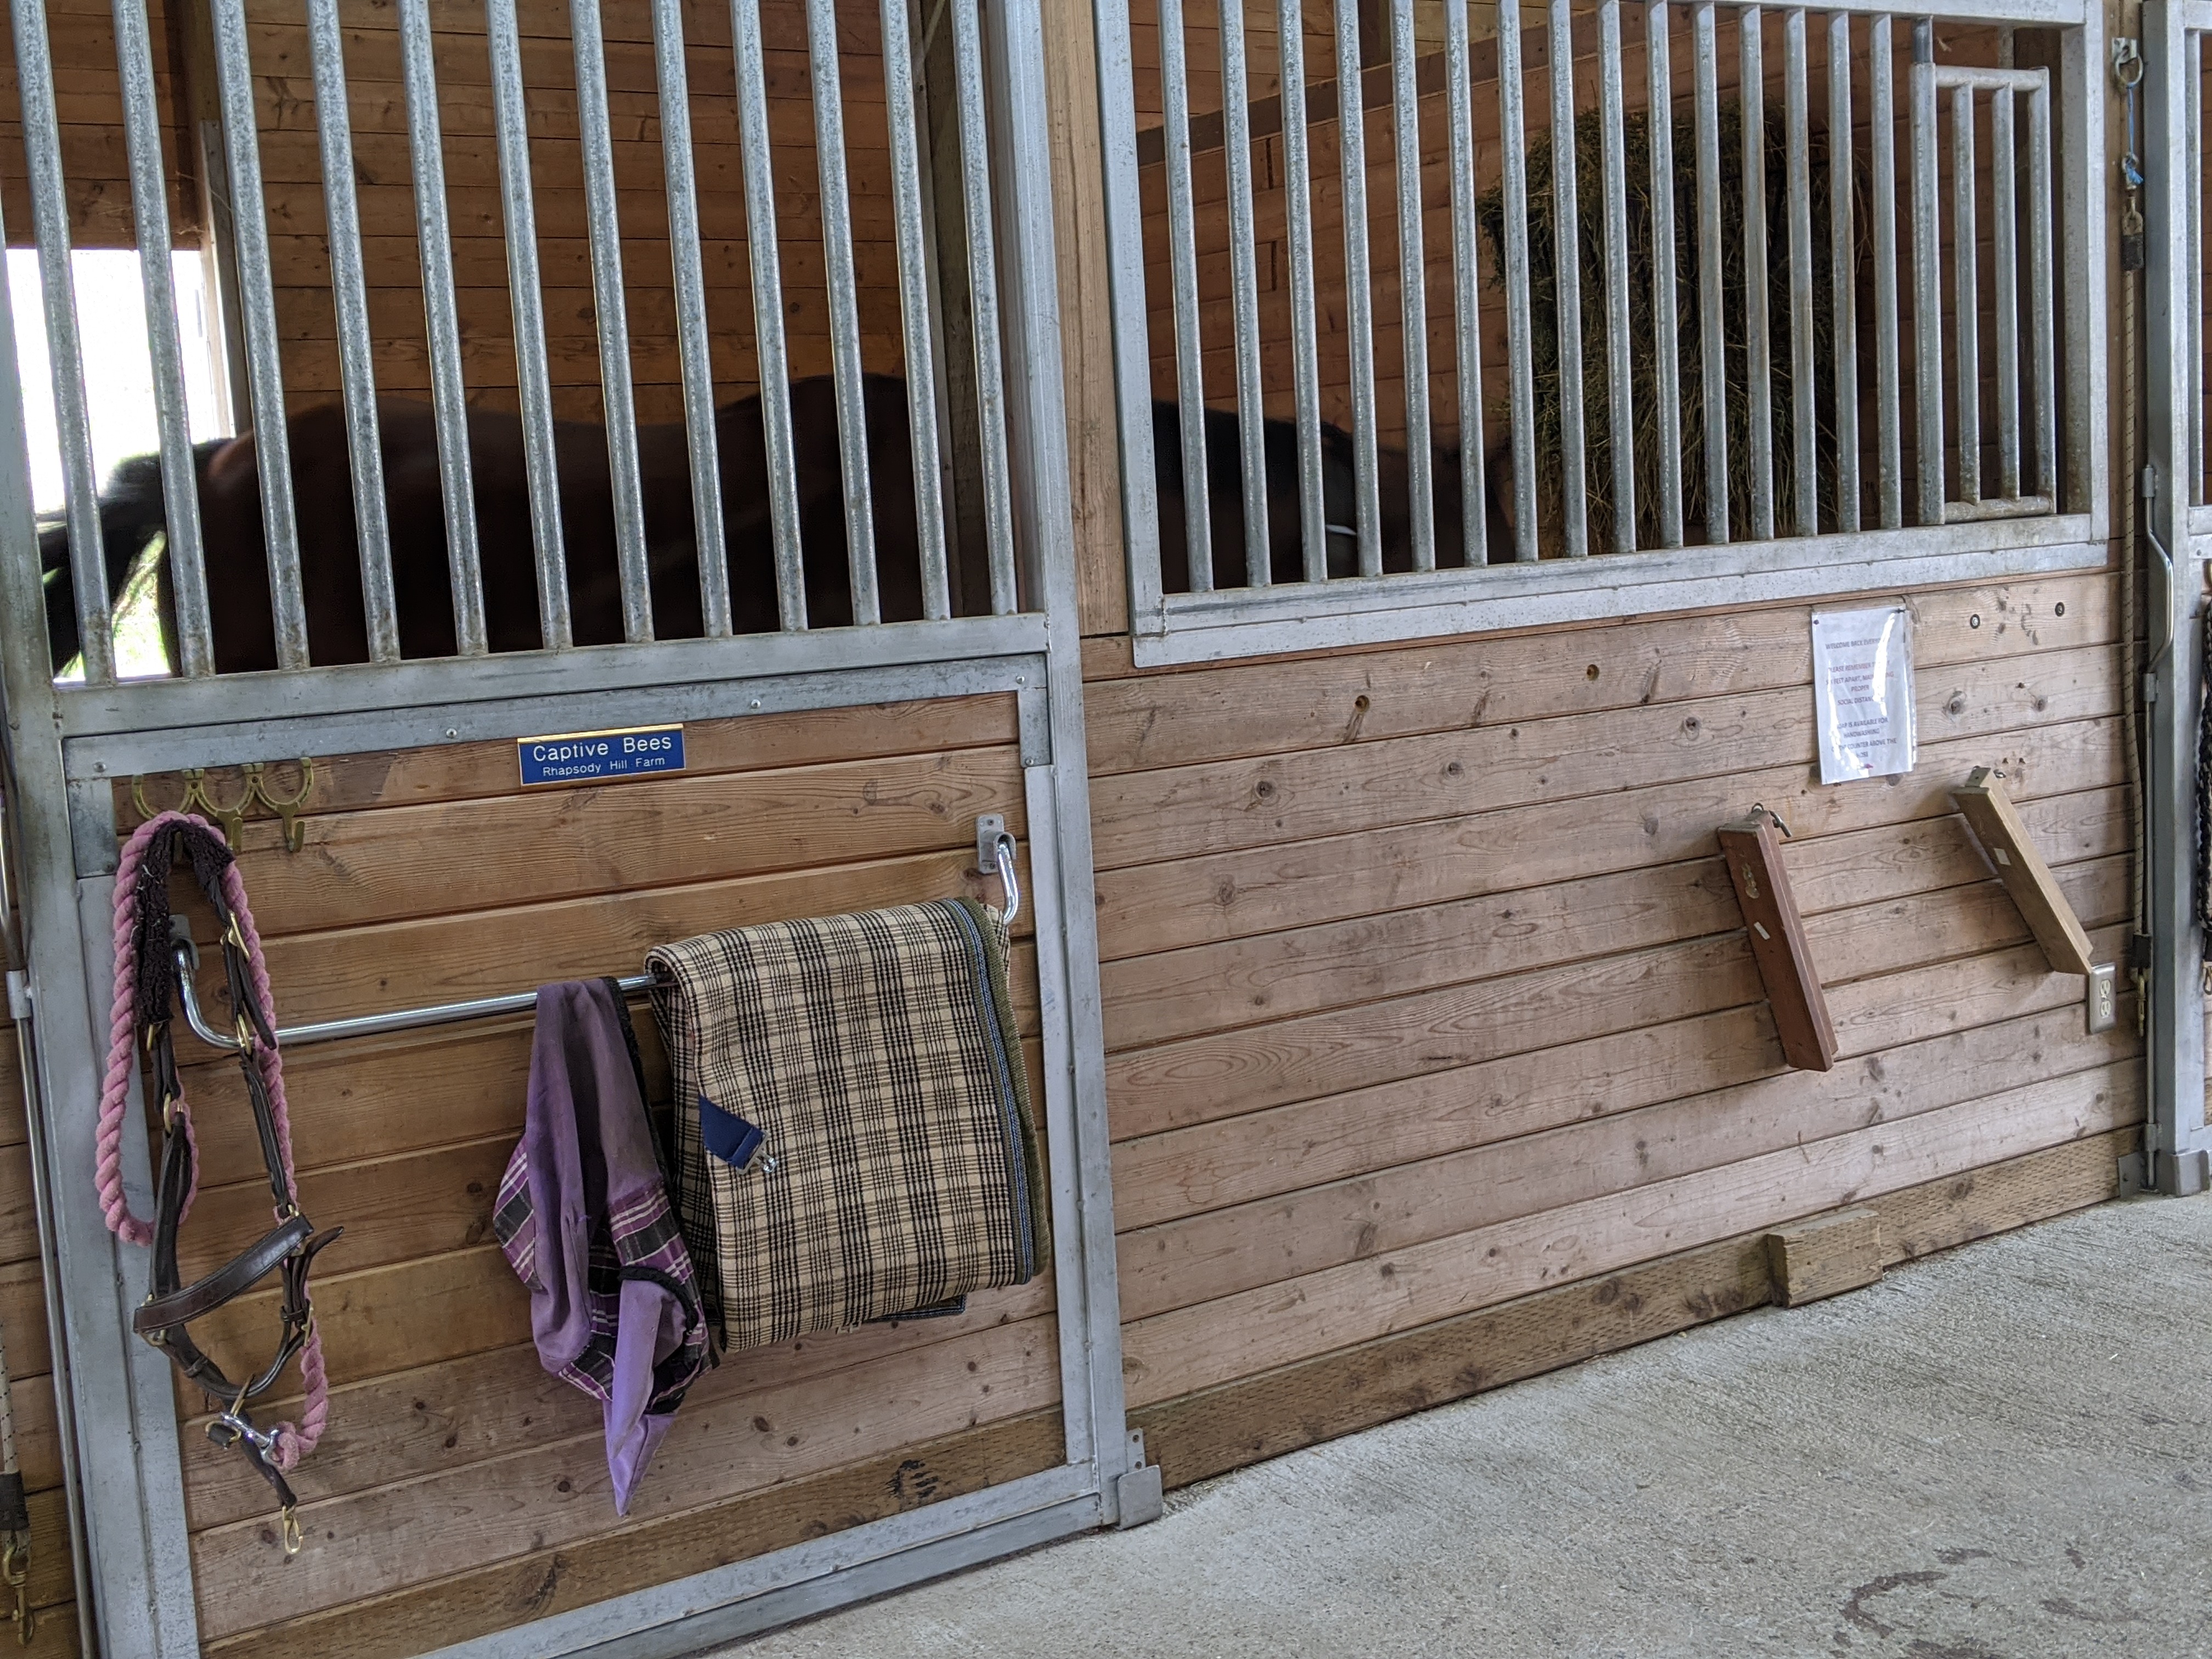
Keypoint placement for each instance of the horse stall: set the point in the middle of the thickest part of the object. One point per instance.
(520, 274)
(1319, 514)
(1436, 1056)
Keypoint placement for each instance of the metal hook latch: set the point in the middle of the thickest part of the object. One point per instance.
(230, 1427)
(16, 1572)
(994, 850)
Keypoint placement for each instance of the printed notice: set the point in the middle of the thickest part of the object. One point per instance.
(635, 751)
(1863, 692)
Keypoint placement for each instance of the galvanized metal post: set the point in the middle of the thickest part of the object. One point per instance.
(139, 1563)
(2178, 1146)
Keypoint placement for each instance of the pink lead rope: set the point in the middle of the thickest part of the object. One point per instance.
(292, 1443)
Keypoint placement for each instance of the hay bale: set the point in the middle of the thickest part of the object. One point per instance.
(1688, 340)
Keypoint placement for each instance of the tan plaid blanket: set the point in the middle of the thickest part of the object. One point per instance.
(864, 1074)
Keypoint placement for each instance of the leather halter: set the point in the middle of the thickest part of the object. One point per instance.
(290, 1247)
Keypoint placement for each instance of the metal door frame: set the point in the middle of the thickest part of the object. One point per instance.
(66, 746)
(2178, 1144)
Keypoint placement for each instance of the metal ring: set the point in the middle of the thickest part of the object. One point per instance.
(1002, 853)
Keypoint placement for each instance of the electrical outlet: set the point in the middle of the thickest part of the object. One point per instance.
(2104, 997)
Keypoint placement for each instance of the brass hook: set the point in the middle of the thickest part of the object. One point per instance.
(287, 811)
(195, 794)
(232, 820)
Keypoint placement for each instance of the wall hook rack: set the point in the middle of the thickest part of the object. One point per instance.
(231, 820)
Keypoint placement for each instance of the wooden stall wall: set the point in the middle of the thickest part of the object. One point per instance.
(459, 1489)
(95, 173)
(1429, 1007)
(88, 107)
(51, 1585)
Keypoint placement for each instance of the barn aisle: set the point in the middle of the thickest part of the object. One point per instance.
(1994, 1454)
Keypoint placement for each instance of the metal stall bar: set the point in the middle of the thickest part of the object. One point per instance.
(1467, 286)
(693, 352)
(258, 310)
(1758, 363)
(1566, 276)
(1620, 414)
(983, 308)
(350, 296)
(42, 153)
(915, 314)
(1305, 348)
(1805, 482)
(2193, 78)
(2079, 483)
(2004, 258)
(1712, 349)
(1413, 281)
(1927, 279)
(844, 307)
(1666, 339)
(1967, 319)
(1843, 272)
(1520, 345)
(1182, 280)
(1881, 195)
(533, 378)
(1359, 291)
(768, 311)
(618, 405)
(1244, 292)
(2041, 324)
(448, 400)
(150, 212)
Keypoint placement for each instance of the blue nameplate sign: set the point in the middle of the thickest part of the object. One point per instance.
(572, 757)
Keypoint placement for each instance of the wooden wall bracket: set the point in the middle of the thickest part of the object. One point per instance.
(1754, 853)
(1996, 824)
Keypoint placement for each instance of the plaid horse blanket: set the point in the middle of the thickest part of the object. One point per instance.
(855, 1135)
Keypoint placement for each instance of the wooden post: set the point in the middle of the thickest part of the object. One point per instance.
(1996, 823)
(1754, 853)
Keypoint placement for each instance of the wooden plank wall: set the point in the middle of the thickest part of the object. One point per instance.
(1425, 990)
(89, 108)
(291, 165)
(459, 1489)
(30, 1369)
(95, 170)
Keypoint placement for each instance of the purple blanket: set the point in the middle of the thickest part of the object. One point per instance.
(584, 1217)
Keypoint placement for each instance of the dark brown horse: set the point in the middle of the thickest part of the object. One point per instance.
(131, 517)
(237, 570)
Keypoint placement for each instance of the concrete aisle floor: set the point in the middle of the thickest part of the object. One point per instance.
(1998, 1454)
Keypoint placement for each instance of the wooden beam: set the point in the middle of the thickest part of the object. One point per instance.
(1996, 824)
(1753, 852)
(1211, 1431)
(1826, 1256)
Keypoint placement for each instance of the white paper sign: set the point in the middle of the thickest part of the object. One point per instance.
(1863, 692)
